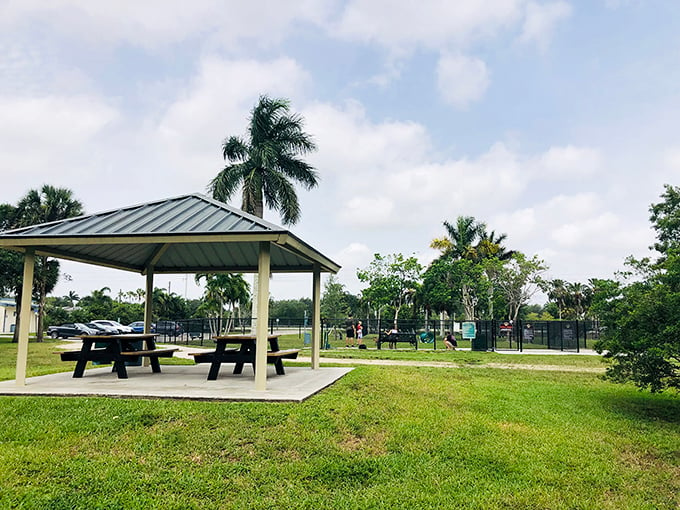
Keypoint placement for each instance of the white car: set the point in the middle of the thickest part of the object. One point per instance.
(116, 325)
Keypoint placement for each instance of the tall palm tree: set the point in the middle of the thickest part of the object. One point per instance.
(42, 206)
(266, 164)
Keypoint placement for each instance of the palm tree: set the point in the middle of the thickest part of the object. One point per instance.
(461, 237)
(223, 291)
(42, 206)
(267, 164)
(73, 297)
(558, 293)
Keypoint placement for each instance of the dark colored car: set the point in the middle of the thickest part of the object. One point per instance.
(169, 328)
(69, 330)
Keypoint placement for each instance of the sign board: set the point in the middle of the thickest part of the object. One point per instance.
(506, 327)
(469, 330)
(567, 332)
(528, 333)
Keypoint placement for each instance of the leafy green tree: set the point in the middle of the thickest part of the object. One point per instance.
(518, 280)
(665, 218)
(334, 300)
(641, 317)
(641, 313)
(392, 279)
(290, 308)
(98, 305)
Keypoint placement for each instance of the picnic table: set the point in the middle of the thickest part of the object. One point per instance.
(117, 350)
(242, 355)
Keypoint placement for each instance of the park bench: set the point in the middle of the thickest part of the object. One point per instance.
(400, 336)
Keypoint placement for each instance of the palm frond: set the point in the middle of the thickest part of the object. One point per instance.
(234, 149)
(225, 183)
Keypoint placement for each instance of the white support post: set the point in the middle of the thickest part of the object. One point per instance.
(316, 316)
(261, 342)
(25, 319)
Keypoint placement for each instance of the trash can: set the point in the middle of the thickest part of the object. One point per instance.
(479, 343)
(307, 338)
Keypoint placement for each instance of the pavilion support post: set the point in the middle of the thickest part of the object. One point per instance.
(25, 319)
(264, 264)
(148, 301)
(148, 308)
(316, 316)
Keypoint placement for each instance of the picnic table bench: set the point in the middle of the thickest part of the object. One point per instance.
(118, 350)
(400, 336)
(244, 354)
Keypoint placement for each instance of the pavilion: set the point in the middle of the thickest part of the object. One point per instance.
(186, 234)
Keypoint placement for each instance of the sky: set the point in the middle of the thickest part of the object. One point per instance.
(554, 122)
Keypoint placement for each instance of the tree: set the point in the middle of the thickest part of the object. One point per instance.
(392, 279)
(641, 319)
(461, 236)
(641, 313)
(266, 164)
(223, 291)
(37, 206)
(333, 302)
(557, 293)
(518, 280)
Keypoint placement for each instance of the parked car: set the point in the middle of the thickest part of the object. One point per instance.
(138, 327)
(69, 330)
(103, 330)
(114, 324)
(169, 328)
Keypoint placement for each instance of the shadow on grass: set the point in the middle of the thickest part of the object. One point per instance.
(644, 406)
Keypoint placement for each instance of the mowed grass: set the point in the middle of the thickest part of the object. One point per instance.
(381, 437)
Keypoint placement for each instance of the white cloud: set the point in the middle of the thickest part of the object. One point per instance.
(462, 80)
(566, 162)
(50, 139)
(429, 23)
(540, 21)
(156, 23)
(216, 104)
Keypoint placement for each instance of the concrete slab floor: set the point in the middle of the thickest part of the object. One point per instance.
(182, 382)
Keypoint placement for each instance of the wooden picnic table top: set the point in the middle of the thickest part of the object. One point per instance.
(124, 336)
(240, 338)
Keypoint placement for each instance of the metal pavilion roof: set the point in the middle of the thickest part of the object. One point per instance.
(190, 233)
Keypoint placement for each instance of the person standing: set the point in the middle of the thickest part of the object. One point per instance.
(360, 333)
(350, 332)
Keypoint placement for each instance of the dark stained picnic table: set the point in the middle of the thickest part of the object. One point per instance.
(118, 350)
(242, 355)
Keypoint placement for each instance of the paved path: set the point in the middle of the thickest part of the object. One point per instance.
(447, 364)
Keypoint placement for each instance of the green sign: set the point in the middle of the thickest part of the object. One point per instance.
(469, 330)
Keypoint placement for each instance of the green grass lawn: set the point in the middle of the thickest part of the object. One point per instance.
(381, 437)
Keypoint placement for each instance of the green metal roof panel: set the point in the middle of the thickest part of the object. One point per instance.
(187, 214)
(191, 233)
